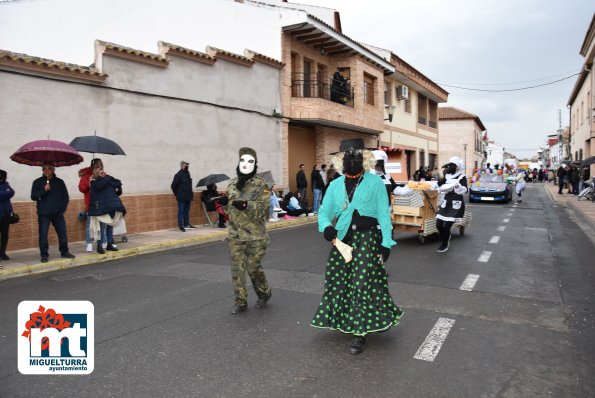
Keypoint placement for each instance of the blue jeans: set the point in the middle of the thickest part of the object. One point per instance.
(57, 220)
(183, 214)
(316, 202)
(274, 203)
(107, 234)
(88, 230)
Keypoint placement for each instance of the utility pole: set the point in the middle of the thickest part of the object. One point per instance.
(560, 137)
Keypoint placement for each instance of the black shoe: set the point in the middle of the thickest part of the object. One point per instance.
(70, 256)
(442, 248)
(182, 229)
(358, 345)
(262, 302)
(111, 247)
(100, 249)
(238, 308)
(4, 257)
(221, 225)
(190, 226)
(44, 259)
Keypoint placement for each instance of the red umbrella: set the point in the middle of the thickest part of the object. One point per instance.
(36, 153)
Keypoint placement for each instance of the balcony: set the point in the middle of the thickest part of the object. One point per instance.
(334, 90)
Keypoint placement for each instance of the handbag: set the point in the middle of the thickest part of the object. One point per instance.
(13, 218)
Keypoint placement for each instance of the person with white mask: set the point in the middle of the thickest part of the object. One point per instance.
(452, 207)
(248, 209)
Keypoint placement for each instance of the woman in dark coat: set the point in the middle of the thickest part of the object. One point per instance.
(6, 192)
(105, 203)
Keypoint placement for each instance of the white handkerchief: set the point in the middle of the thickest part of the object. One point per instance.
(344, 249)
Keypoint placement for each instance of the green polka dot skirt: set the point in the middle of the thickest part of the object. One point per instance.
(356, 298)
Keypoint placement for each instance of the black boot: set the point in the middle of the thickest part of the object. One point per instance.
(261, 302)
(358, 345)
(100, 249)
(111, 247)
(238, 308)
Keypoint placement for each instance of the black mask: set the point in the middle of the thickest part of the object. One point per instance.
(450, 168)
(353, 163)
(2, 175)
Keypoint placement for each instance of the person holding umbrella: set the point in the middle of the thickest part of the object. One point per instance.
(51, 196)
(182, 189)
(6, 192)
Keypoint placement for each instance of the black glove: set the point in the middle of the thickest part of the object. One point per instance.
(330, 233)
(384, 252)
(240, 204)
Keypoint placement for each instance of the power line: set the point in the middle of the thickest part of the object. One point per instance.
(517, 82)
(508, 89)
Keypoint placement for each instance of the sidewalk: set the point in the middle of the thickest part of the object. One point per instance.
(584, 208)
(27, 261)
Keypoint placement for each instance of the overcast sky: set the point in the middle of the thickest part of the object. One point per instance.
(483, 44)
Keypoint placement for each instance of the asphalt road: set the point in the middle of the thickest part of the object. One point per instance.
(163, 328)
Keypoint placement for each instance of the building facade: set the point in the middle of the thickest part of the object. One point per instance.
(582, 121)
(494, 153)
(461, 134)
(161, 107)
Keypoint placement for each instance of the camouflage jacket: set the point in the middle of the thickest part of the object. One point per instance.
(248, 224)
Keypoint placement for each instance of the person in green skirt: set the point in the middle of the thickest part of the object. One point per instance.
(356, 298)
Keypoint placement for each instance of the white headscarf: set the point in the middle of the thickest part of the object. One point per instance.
(459, 162)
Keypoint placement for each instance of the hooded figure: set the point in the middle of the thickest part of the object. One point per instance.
(381, 159)
(248, 210)
(356, 299)
(452, 207)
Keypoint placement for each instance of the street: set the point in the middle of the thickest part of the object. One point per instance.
(163, 328)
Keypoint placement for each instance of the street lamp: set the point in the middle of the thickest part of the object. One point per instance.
(465, 148)
(391, 111)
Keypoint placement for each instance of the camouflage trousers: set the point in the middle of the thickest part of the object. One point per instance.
(247, 255)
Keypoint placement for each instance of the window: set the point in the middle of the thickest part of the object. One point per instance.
(322, 78)
(408, 103)
(369, 89)
(307, 78)
(433, 114)
(422, 109)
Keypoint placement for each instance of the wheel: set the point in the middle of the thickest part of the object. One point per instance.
(462, 231)
(422, 238)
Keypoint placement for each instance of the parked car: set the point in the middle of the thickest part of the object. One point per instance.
(490, 188)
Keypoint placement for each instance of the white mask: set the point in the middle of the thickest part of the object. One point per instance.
(247, 163)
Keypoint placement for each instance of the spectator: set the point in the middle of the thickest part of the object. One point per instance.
(6, 192)
(435, 174)
(302, 183)
(275, 210)
(550, 176)
(51, 196)
(540, 175)
(215, 202)
(488, 169)
(317, 188)
(323, 172)
(294, 208)
(562, 177)
(574, 179)
(85, 175)
(585, 176)
(182, 188)
(106, 209)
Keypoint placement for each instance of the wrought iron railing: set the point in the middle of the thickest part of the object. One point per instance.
(337, 90)
(432, 124)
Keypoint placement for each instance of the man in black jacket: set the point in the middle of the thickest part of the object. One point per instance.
(182, 188)
(51, 196)
(302, 184)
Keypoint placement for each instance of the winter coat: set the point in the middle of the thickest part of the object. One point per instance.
(317, 181)
(84, 186)
(182, 186)
(53, 202)
(301, 180)
(6, 192)
(248, 224)
(104, 196)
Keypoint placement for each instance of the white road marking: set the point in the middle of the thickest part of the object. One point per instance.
(484, 257)
(495, 239)
(501, 228)
(506, 220)
(509, 215)
(433, 342)
(469, 282)
(512, 209)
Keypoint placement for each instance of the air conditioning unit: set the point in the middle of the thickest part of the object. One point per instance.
(403, 92)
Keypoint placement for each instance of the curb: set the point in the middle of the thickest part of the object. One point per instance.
(214, 236)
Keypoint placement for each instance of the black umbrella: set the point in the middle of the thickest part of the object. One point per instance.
(212, 179)
(267, 176)
(96, 144)
(588, 161)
